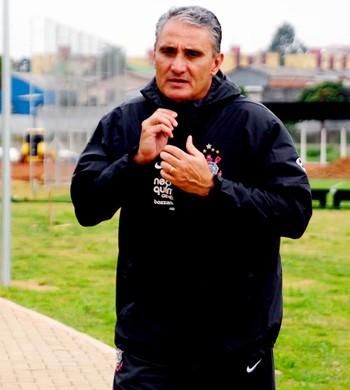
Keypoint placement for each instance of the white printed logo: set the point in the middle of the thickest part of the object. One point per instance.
(251, 369)
(299, 162)
(156, 165)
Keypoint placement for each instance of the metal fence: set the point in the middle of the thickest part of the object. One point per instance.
(82, 78)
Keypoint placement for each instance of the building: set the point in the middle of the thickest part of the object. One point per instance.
(273, 84)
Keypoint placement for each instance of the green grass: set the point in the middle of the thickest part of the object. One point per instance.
(330, 183)
(68, 272)
(313, 350)
(61, 269)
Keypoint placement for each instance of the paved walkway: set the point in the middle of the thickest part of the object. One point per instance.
(39, 353)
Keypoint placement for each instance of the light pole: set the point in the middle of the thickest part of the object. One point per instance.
(6, 163)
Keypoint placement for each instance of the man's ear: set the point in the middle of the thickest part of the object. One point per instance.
(217, 63)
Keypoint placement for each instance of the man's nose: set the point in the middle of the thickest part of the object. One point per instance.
(178, 64)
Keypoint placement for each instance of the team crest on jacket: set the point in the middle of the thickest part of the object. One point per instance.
(119, 359)
(213, 159)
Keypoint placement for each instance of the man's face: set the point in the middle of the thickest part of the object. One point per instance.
(184, 61)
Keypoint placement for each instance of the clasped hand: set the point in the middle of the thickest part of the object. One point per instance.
(188, 171)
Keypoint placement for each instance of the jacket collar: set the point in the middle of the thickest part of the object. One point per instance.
(221, 88)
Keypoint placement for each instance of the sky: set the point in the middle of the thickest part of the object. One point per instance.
(130, 24)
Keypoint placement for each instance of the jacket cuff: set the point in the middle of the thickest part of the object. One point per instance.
(131, 154)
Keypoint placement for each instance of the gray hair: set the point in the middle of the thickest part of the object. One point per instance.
(196, 16)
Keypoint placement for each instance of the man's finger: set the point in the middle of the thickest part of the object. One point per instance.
(190, 147)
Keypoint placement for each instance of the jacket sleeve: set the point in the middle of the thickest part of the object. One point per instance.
(100, 180)
(277, 194)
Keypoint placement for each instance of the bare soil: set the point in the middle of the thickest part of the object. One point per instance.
(338, 169)
(25, 171)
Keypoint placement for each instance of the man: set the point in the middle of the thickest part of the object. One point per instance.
(207, 182)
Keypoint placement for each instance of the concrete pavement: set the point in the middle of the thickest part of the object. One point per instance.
(39, 353)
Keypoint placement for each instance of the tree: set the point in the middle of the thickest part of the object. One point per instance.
(284, 42)
(327, 91)
(113, 62)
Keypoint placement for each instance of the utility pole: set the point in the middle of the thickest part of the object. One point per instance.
(6, 144)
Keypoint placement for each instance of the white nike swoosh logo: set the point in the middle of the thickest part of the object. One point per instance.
(251, 369)
(156, 165)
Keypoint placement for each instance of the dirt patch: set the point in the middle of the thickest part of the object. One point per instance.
(337, 169)
(25, 171)
(50, 171)
(32, 285)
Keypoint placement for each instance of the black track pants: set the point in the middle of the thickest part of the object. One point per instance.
(202, 373)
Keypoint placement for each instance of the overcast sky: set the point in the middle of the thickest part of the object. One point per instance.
(249, 24)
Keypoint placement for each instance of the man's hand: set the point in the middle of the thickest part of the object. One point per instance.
(188, 171)
(155, 132)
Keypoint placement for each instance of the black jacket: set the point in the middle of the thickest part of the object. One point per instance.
(196, 271)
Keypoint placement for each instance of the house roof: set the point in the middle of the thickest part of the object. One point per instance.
(281, 76)
(273, 71)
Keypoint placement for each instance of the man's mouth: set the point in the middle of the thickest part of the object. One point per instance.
(177, 81)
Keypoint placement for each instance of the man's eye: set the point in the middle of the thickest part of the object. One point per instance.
(192, 53)
(168, 51)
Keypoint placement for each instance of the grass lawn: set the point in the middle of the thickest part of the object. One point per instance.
(330, 183)
(68, 272)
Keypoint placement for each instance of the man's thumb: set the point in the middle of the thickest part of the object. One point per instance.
(190, 147)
